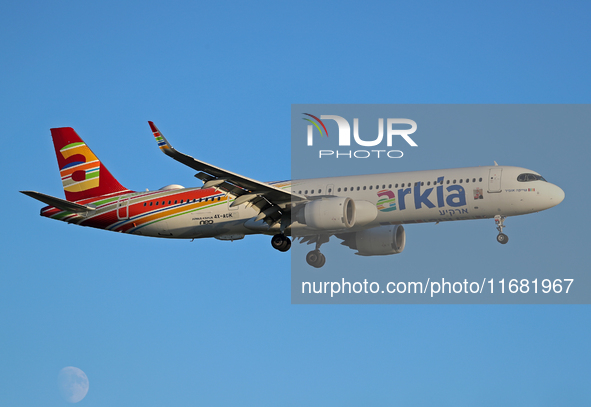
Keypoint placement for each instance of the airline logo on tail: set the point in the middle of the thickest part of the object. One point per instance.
(79, 175)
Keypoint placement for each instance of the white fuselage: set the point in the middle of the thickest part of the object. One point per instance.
(400, 198)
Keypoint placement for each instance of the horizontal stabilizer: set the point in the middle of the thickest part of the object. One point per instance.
(59, 203)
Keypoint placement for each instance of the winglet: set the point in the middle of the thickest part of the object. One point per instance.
(162, 142)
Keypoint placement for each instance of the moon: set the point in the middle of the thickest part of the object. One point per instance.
(73, 384)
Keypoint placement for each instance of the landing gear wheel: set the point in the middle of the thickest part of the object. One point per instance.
(281, 242)
(315, 259)
(502, 238)
(323, 260)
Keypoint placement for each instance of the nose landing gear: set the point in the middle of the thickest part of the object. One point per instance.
(501, 237)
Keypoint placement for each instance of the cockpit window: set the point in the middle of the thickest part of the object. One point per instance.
(530, 177)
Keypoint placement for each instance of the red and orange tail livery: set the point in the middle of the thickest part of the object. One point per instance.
(83, 175)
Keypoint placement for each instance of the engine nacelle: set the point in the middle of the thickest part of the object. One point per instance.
(365, 212)
(380, 241)
(328, 213)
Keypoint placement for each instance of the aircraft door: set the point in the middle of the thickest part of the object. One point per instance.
(123, 208)
(494, 179)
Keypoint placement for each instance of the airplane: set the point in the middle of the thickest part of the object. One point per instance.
(366, 212)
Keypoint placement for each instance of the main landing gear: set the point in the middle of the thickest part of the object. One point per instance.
(501, 237)
(281, 242)
(315, 258)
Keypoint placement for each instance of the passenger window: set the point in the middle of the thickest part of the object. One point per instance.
(370, 187)
(338, 190)
(422, 183)
(428, 183)
(312, 191)
(467, 179)
(447, 182)
(144, 203)
(319, 191)
(150, 203)
(157, 203)
(219, 197)
(169, 202)
(473, 179)
(461, 181)
(306, 192)
(175, 201)
(396, 186)
(358, 188)
(454, 181)
(345, 189)
(389, 185)
(364, 187)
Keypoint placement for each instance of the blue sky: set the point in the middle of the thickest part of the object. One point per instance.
(156, 322)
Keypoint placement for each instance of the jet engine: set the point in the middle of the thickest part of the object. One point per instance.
(379, 241)
(328, 213)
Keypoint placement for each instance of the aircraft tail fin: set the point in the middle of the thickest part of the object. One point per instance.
(83, 175)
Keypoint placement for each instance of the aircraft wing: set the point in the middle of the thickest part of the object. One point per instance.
(271, 201)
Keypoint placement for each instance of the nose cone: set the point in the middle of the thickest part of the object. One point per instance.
(556, 195)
